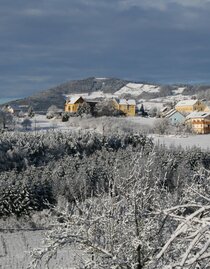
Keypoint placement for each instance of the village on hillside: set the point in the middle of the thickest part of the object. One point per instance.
(192, 113)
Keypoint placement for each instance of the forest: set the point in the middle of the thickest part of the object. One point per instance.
(126, 202)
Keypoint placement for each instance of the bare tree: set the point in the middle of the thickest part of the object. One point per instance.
(116, 229)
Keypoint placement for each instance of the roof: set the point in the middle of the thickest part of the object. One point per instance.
(171, 112)
(187, 103)
(198, 115)
(74, 99)
(127, 102)
(164, 109)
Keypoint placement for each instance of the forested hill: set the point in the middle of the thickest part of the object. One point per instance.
(55, 96)
(107, 87)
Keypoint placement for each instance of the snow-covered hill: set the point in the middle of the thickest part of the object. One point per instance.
(108, 87)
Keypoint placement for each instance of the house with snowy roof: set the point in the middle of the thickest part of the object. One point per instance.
(174, 116)
(13, 109)
(188, 106)
(199, 122)
(128, 106)
(72, 103)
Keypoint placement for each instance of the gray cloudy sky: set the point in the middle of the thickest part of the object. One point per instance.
(47, 42)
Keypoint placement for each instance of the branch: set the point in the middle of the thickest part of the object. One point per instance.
(180, 229)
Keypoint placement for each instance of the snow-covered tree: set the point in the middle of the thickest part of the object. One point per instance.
(31, 112)
(84, 109)
(52, 112)
(26, 123)
(6, 119)
(117, 227)
(106, 108)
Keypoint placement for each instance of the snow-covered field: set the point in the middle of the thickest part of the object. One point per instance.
(202, 141)
(188, 141)
(171, 98)
(179, 90)
(15, 248)
(142, 121)
(136, 89)
(92, 95)
(41, 123)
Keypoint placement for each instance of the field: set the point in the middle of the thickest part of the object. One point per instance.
(188, 141)
(40, 123)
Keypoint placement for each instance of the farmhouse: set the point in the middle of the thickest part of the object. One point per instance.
(72, 104)
(126, 106)
(175, 117)
(188, 106)
(199, 121)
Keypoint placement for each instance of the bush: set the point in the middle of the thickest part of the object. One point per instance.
(162, 126)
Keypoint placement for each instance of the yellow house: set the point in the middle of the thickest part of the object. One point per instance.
(73, 103)
(188, 106)
(199, 121)
(126, 106)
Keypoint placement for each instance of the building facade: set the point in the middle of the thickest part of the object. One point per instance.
(175, 117)
(72, 104)
(126, 106)
(199, 122)
(188, 106)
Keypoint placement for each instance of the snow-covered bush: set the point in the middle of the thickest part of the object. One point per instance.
(26, 123)
(84, 109)
(124, 197)
(22, 196)
(106, 108)
(52, 112)
(137, 220)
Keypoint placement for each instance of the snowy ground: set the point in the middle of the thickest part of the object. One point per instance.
(41, 123)
(171, 98)
(15, 251)
(143, 121)
(201, 141)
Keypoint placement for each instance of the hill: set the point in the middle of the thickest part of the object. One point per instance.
(56, 96)
(96, 87)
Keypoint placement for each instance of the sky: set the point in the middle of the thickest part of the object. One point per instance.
(44, 43)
